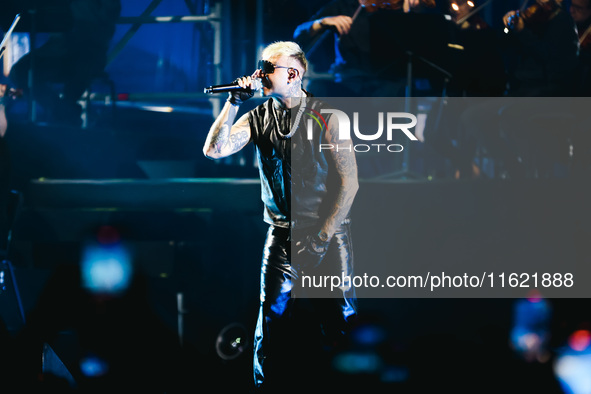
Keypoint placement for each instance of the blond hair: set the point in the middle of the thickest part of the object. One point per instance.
(286, 48)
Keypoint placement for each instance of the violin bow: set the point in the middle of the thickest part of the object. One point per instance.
(584, 35)
(471, 13)
(8, 33)
(323, 36)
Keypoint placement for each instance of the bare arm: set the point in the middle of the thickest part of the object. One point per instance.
(346, 168)
(305, 32)
(225, 136)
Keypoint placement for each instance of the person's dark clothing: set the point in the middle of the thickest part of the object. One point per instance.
(351, 51)
(545, 58)
(583, 72)
(296, 180)
(353, 66)
(310, 178)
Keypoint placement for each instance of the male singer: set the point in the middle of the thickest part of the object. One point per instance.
(314, 216)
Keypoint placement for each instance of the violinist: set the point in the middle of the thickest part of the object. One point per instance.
(348, 22)
(580, 11)
(544, 46)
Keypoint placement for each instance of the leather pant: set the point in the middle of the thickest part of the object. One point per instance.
(277, 294)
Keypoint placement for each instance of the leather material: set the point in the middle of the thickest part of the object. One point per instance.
(294, 173)
(278, 294)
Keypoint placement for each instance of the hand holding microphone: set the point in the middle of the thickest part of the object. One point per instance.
(248, 86)
(240, 90)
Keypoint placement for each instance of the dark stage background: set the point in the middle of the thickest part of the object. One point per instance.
(194, 228)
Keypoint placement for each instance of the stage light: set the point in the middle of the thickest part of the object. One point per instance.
(357, 363)
(455, 7)
(232, 341)
(155, 108)
(2, 280)
(92, 366)
(572, 371)
(368, 335)
(530, 332)
(106, 266)
(580, 340)
(471, 4)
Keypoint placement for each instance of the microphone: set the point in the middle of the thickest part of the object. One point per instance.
(256, 85)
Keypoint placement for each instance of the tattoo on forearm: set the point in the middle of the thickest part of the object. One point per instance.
(347, 167)
(344, 160)
(238, 140)
(221, 139)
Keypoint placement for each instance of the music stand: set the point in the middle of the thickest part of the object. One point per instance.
(417, 43)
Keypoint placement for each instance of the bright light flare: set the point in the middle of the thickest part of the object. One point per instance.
(579, 340)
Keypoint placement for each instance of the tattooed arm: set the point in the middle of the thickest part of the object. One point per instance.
(346, 168)
(226, 137)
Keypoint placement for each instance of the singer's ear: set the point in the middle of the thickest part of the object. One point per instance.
(293, 73)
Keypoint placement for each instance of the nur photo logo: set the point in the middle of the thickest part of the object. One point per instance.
(389, 125)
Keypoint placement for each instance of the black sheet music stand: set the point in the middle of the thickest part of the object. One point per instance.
(417, 44)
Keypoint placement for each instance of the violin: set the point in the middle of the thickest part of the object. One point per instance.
(535, 15)
(538, 14)
(585, 38)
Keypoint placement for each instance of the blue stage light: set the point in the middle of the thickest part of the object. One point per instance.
(106, 269)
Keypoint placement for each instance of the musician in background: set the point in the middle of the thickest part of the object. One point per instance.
(73, 58)
(580, 11)
(542, 47)
(354, 74)
(545, 49)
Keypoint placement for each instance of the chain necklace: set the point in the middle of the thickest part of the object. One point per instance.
(295, 125)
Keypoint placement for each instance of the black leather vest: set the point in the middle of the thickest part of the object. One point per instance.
(295, 175)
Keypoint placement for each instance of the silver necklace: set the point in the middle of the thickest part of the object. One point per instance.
(295, 125)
